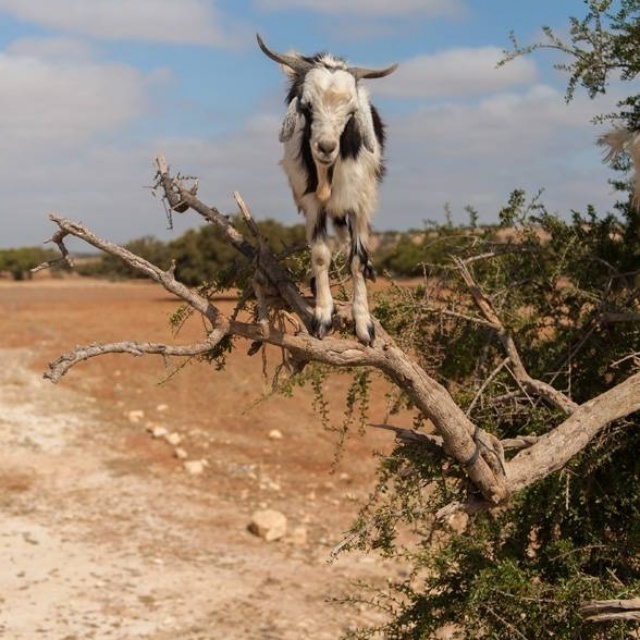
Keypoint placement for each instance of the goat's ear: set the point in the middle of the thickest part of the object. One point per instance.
(364, 119)
(289, 122)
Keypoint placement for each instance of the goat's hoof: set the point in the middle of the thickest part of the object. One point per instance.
(321, 325)
(369, 272)
(366, 333)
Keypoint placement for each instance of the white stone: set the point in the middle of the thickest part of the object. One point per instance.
(275, 434)
(173, 438)
(160, 432)
(268, 524)
(162, 407)
(135, 416)
(181, 454)
(194, 467)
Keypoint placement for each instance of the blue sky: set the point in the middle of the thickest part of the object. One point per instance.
(92, 90)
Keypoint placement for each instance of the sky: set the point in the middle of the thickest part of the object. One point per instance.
(92, 90)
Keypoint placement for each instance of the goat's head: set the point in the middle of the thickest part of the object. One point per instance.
(325, 92)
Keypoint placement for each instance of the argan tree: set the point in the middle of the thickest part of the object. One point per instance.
(516, 490)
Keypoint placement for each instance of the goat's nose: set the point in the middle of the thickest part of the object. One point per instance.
(326, 146)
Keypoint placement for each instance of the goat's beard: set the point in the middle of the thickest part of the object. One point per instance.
(323, 191)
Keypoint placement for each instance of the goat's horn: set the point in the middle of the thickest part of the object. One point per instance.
(362, 72)
(295, 63)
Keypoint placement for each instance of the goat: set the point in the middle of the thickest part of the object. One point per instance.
(619, 141)
(333, 144)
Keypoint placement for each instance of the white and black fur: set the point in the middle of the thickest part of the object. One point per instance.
(333, 156)
(622, 140)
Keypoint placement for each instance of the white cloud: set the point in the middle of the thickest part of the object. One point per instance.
(169, 21)
(456, 72)
(60, 114)
(104, 185)
(60, 101)
(477, 153)
(50, 48)
(64, 120)
(370, 8)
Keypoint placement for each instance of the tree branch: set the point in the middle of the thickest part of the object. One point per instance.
(180, 199)
(554, 449)
(529, 384)
(61, 366)
(165, 278)
(606, 610)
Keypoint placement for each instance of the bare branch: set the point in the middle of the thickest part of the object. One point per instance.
(165, 278)
(521, 442)
(529, 384)
(606, 610)
(554, 449)
(180, 198)
(411, 436)
(485, 384)
(61, 366)
(57, 238)
(480, 453)
(178, 195)
(248, 218)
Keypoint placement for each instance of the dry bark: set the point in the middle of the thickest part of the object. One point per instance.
(607, 610)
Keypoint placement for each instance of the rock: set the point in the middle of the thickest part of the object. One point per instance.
(268, 524)
(135, 416)
(162, 407)
(194, 467)
(173, 438)
(275, 434)
(181, 454)
(159, 432)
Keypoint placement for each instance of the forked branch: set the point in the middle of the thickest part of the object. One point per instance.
(531, 385)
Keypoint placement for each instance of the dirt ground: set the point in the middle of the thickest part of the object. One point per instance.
(105, 534)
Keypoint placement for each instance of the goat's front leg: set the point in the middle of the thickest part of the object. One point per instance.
(361, 268)
(316, 222)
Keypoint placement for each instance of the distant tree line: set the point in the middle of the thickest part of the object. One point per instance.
(17, 263)
(200, 255)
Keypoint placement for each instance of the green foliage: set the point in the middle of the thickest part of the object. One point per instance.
(567, 291)
(412, 253)
(601, 44)
(19, 262)
(108, 266)
(199, 256)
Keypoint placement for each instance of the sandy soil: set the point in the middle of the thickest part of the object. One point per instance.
(103, 534)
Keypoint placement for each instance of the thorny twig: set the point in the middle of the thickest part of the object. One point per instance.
(531, 385)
